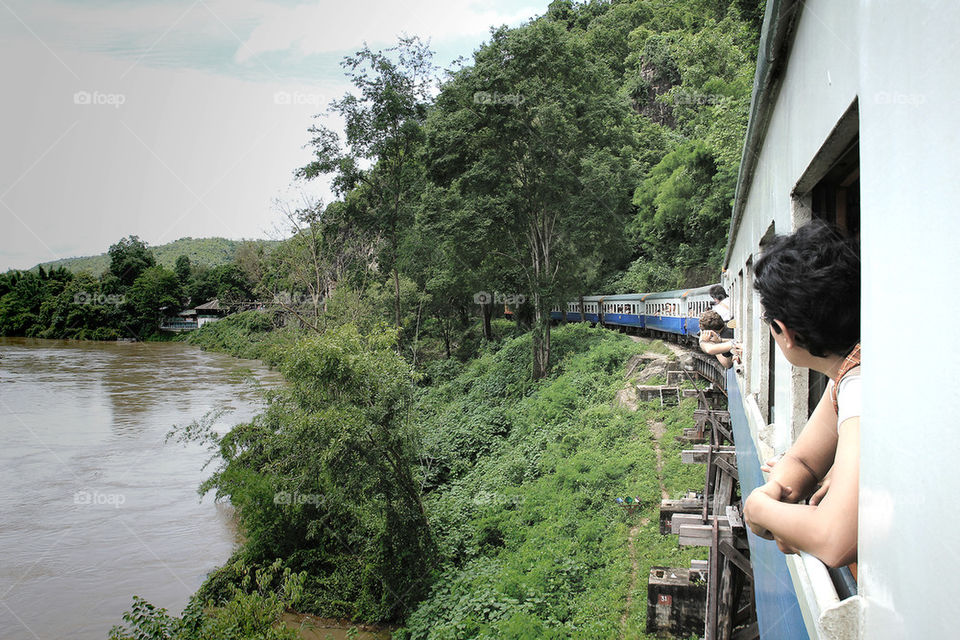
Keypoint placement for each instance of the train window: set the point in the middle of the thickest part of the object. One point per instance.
(830, 190)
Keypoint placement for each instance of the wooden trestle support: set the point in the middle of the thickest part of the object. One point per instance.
(712, 519)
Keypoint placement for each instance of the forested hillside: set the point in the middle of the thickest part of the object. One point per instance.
(208, 252)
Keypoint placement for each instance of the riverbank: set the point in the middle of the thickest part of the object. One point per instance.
(249, 334)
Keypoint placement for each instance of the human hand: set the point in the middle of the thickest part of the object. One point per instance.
(754, 505)
(768, 465)
(784, 547)
(822, 489)
(709, 336)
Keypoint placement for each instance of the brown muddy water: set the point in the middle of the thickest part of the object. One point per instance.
(94, 506)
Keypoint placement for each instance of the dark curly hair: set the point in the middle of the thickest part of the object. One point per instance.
(711, 321)
(717, 292)
(810, 281)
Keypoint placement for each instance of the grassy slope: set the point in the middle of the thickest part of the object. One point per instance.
(249, 334)
(522, 479)
(525, 479)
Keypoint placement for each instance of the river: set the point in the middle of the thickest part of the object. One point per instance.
(94, 506)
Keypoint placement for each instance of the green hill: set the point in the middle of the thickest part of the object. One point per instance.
(201, 251)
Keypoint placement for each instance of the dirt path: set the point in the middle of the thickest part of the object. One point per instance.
(634, 574)
(657, 428)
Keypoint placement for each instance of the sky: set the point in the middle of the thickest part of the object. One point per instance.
(175, 118)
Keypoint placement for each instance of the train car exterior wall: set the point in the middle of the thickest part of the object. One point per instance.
(884, 76)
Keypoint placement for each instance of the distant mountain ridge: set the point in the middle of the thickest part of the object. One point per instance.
(201, 251)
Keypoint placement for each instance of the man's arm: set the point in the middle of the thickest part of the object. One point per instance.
(827, 530)
(806, 463)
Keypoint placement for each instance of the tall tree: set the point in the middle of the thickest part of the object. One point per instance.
(129, 258)
(182, 269)
(383, 130)
(536, 138)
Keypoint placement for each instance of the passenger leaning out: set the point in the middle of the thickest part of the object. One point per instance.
(809, 287)
(721, 303)
(716, 339)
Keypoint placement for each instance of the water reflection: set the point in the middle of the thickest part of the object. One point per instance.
(94, 506)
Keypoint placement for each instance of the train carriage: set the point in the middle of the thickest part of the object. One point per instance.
(623, 310)
(695, 302)
(664, 311)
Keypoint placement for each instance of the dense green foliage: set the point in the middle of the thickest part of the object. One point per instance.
(480, 505)
(249, 334)
(251, 611)
(521, 479)
(128, 300)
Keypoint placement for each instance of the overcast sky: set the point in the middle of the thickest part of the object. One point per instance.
(175, 118)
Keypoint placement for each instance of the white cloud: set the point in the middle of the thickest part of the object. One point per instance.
(343, 26)
(213, 33)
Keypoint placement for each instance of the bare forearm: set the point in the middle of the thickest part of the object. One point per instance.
(794, 472)
(713, 348)
(801, 527)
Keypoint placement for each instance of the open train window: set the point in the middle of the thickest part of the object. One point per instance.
(830, 190)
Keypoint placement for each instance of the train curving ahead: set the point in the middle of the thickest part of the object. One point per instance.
(673, 314)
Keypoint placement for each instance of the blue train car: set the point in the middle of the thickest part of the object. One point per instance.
(664, 311)
(695, 302)
(591, 308)
(624, 310)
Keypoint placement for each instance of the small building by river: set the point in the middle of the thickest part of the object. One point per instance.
(190, 319)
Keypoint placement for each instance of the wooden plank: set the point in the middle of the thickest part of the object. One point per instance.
(699, 454)
(710, 633)
(700, 535)
(723, 493)
(722, 416)
(737, 558)
(724, 462)
(725, 601)
(685, 519)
